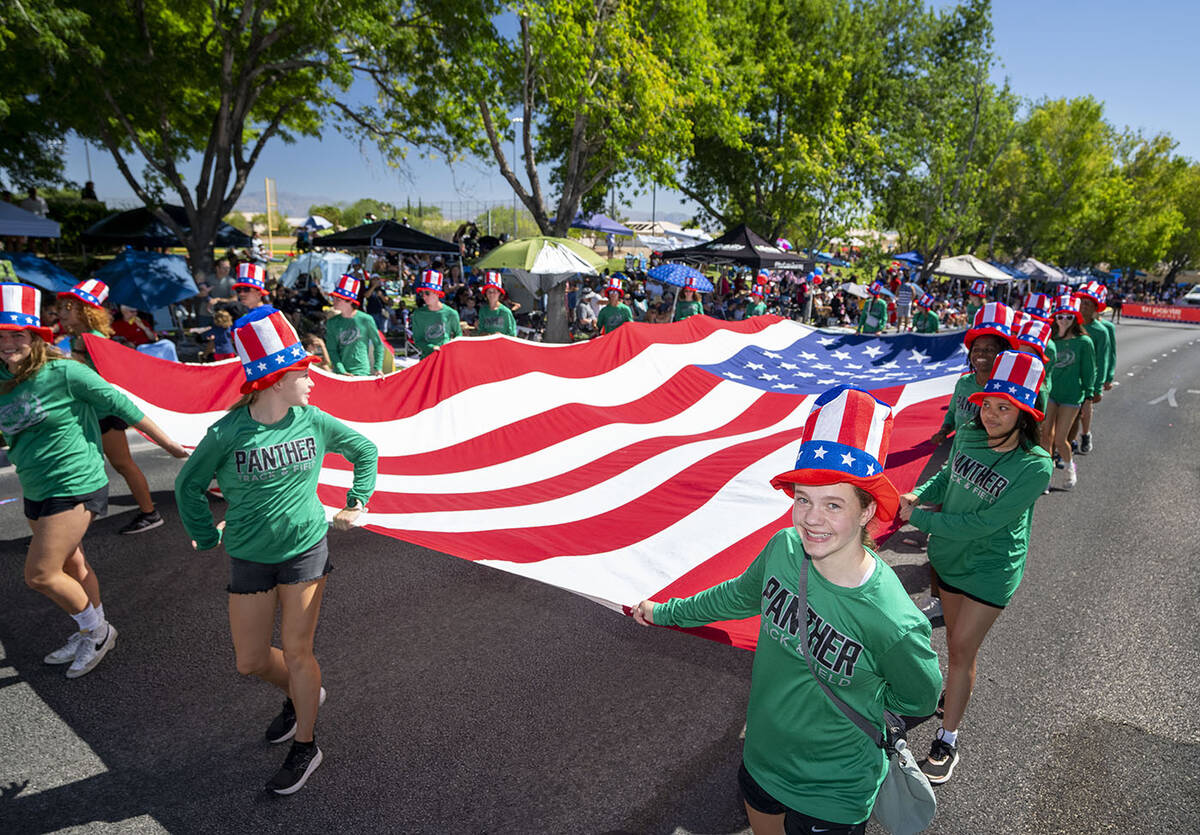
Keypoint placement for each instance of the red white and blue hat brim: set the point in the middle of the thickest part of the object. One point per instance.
(422, 287)
(14, 322)
(84, 296)
(252, 285)
(1101, 306)
(1021, 397)
(1033, 341)
(487, 285)
(885, 494)
(1059, 311)
(264, 370)
(343, 295)
(20, 311)
(990, 329)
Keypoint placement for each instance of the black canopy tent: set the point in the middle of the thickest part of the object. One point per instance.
(386, 235)
(140, 228)
(740, 245)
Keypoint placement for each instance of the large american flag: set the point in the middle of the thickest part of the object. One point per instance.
(628, 467)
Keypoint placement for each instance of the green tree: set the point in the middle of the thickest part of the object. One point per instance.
(331, 213)
(601, 88)
(171, 82)
(1183, 250)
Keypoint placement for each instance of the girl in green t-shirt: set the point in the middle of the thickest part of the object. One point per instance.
(1072, 378)
(688, 302)
(978, 515)
(266, 456)
(48, 417)
(806, 766)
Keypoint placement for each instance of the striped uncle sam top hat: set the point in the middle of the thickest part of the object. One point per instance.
(431, 280)
(1037, 304)
(846, 438)
(1037, 333)
(21, 309)
(689, 283)
(1095, 291)
(268, 347)
(92, 292)
(614, 283)
(993, 318)
(491, 278)
(876, 288)
(978, 288)
(1016, 377)
(347, 288)
(926, 301)
(252, 276)
(1068, 305)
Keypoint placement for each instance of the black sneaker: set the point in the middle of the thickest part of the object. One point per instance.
(283, 726)
(1059, 464)
(1085, 443)
(1074, 446)
(939, 765)
(302, 760)
(143, 522)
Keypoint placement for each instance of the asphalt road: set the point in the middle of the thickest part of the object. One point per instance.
(465, 700)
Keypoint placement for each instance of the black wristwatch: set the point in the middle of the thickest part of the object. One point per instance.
(358, 505)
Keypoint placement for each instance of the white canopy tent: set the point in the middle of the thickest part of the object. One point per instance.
(330, 265)
(18, 223)
(970, 268)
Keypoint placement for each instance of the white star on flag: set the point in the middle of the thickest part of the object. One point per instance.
(804, 374)
(917, 356)
(842, 355)
(768, 376)
(772, 356)
(783, 386)
(847, 459)
(821, 366)
(829, 340)
(805, 355)
(789, 366)
(852, 365)
(755, 366)
(733, 376)
(873, 351)
(826, 382)
(819, 452)
(888, 365)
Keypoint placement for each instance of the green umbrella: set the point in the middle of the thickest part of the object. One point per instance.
(541, 255)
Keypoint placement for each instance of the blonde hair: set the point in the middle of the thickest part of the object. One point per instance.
(93, 318)
(39, 354)
(222, 319)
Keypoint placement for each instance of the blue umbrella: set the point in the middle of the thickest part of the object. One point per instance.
(678, 274)
(147, 280)
(600, 223)
(913, 258)
(39, 272)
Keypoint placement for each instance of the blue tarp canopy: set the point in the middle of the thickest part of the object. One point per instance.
(39, 272)
(912, 257)
(147, 280)
(600, 223)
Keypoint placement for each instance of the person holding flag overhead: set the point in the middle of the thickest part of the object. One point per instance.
(874, 315)
(925, 321)
(435, 324)
(688, 303)
(351, 338)
(266, 455)
(49, 417)
(495, 317)
(616, 312)
(819, 584)
(82, 310)
(979, 536)
(1093, 298)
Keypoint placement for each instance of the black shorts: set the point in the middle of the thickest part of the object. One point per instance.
(96, 502)
(112, 422)
(944, 586)
(794, 823)
(249, 577)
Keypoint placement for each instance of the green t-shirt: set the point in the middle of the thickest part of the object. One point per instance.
(978, 540)
(873, 317)
(612, 317)
(926, 321)
(1074, 370)
(972, 309)
(351, 343)
(51, 424)
(758, 308)
(1104, 338)
(870, 644)
(1112, 353)
(269, 477)
(499, 320)
(432, 329)
(1047, 382)
(961, 410)
(685, 309)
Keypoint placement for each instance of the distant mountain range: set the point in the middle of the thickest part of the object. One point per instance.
(290, 203)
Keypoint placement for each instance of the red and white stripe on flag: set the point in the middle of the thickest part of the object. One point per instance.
(619, 469)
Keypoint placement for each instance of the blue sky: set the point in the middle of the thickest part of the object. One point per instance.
(1136, 57)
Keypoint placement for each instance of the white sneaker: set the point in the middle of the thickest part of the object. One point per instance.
(91, 652)
(1072, 478)
(931, 607)
(65, 653)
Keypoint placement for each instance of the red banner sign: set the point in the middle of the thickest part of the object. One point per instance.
(1162, 312)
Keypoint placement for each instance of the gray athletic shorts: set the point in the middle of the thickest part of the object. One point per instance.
(249, 577)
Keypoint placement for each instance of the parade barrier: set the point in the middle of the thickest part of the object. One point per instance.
(1162, 312)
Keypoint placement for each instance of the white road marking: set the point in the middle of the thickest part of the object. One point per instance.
(1169, 397)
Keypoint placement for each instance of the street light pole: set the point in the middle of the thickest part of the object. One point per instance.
(516, 121)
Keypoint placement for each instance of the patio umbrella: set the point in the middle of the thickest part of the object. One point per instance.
(677, 275)
(855, 289)
(39, 272)
(913, 258)
(601, 223)
(316, 222)
(541, 262)
(969, 267)
(147, 280)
